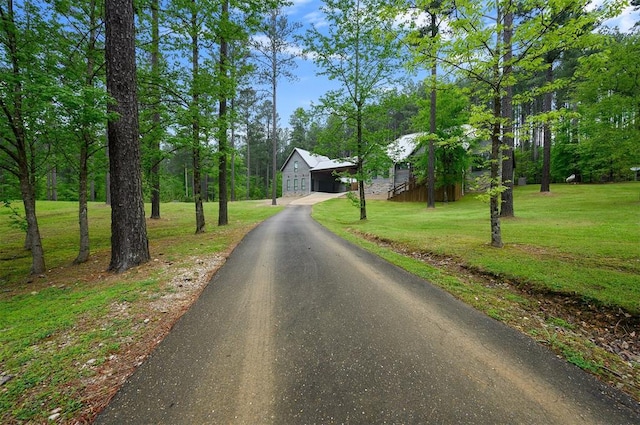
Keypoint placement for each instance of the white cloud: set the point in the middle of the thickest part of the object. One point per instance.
(299, 3)
(625, 21)
(412, 18)
(316, 19)
(296, 6)
(262, 42)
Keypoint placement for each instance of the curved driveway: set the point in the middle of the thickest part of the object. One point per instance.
(300, 327)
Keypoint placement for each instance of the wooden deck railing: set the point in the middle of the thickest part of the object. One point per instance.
(402, 187)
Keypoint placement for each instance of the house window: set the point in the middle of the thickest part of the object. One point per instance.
(288, 185)
(302, 184)
(295, 166)
(295, 184)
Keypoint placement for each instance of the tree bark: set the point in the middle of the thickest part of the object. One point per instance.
(85, 145)
(494, 201)
(223, 215)
(20, 151)
(155, 145)
(431, 166)
(107, 190)
(195, 126)
(233, 155)
(360, 166)
(508, 162)
(129, 243)
(248, 196)
(496, 145)
(274, 118)
(546, 147)
(33, 241)
(197, 191)
(83, 216)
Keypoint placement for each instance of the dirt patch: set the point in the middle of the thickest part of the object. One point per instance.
(158, 316)
(152, 317)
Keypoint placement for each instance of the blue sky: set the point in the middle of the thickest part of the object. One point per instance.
(309, 87)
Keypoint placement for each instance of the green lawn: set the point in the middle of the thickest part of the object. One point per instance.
(172, 234)
(57, 330)
(581, 240)
(54, 335)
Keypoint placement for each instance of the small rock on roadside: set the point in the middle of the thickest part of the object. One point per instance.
(55, 414)
(5, 378)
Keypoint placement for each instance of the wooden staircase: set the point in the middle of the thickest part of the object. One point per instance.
(412, 191)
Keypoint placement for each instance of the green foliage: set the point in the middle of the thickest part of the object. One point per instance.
(532, 168)
(583, 248)
(16, 217)
(454, 137)
(301, 136)
(556, 321)
(575, 356)
(361, 52)
(55, 337)
(607, 94)
(30, 322)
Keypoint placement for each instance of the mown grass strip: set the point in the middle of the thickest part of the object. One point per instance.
(580, 240)
(547, 266)
(56, 330)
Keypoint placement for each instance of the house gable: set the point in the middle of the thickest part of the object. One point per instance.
(304, 172)
(296, 173)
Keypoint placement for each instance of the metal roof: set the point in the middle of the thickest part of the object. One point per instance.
(401, 148)
(318, 162)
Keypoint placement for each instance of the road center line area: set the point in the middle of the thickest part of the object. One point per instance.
(301, 327)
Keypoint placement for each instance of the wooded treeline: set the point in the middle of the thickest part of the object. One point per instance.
(542, 86)
(62, 71)
(549, 93)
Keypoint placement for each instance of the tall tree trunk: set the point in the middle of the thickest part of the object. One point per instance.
(360, 165)
(248, 162)
(274, 118)
(197, 190)
(223, 214)
(83, 216)
(546, 149)
(496, 152)
(195, 120)
(494, 201)
(431, 165)
(508, 161)
(33, 241)
(86, 143)
(155, 118)
(52, 183)
(49, 184)
(233, 154)
(22, 153)
(52, 190)
(107, 178)
(129, 243)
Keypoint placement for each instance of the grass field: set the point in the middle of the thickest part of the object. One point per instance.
(582, 240)
(63, 334)
(172, 235)
(68, 335)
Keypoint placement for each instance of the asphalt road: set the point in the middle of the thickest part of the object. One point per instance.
(300, 327)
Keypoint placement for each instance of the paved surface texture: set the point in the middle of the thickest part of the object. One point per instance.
(299, 327)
